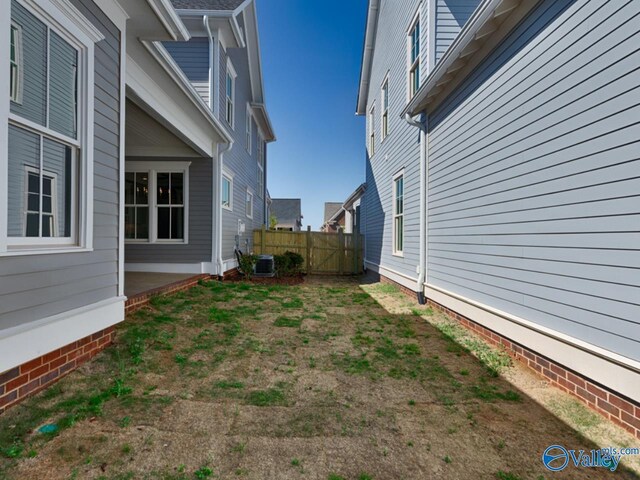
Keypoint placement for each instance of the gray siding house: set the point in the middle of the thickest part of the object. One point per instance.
(113, 140)
(520, 194)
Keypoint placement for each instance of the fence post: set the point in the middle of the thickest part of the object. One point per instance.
(262, 238)
(340, 251)
(308, 245)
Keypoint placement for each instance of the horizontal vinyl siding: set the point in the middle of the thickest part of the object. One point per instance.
(451, 17)
(401, 149)
(534, 191)
(39, 286)
(242, 165)
(199, 248)
(193, 58)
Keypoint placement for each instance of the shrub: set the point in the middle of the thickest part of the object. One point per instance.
(288, 264)
(247, 262)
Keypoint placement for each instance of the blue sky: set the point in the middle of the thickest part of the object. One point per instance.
(311, 54)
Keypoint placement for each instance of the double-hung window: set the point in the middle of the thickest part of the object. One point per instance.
(372, 131)
(227, 192)
(156, 202)
(398, 214)
(16, 64)
(414, 58)
(385, 110)
(230, 89)
(47, 170)
(260, 166)
(249, 204)
(249, 131)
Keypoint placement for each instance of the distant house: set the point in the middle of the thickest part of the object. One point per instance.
(288, 213)
(502, 178)
(344, 215)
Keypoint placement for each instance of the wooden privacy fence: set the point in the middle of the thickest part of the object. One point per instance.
(323, 253)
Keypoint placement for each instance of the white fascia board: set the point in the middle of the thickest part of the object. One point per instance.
(367, 56)
(115, 12)
(170, 19)
(264, 122)
(186, 268)
(483, 19)
(31, 340)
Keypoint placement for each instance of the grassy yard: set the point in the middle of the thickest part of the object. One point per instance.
(316, 381)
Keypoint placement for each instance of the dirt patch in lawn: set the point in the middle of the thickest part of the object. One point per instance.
(326, 380)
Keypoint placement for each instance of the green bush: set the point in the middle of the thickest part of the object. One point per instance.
(288, 264)
(247, 262)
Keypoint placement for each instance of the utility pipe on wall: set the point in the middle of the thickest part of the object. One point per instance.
(422, 268)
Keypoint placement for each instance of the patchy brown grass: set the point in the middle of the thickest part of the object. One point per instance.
(328, 379)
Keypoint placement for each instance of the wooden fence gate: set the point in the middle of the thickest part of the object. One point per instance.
(323, 253)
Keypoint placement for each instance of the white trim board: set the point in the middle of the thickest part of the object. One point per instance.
(401, 278)
(195, 268)
(567, 351)
(25, 342)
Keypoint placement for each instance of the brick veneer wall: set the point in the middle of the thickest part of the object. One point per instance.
(136, 302)
(31, 377)
(613, 406)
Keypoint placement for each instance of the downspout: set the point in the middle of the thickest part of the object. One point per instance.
(221, 151)
(422, 269)
(207, 27)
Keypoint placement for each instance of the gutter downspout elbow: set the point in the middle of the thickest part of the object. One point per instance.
(422, 125)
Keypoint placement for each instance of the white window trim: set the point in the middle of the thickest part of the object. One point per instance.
(371, 136)
(410, 66)
(63, 18)
(260, 161)
(231, 72)
(395, 252)
(383, 111)
(249, 194)
(229, 177)
(19, 83)
(249, 131)
(153, 168)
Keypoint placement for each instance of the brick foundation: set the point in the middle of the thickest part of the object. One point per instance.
(136, 302)
(31, 377)
(611, 405)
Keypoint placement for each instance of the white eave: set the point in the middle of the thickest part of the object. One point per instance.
(367, 56)
(484, 24)
(170, 19)
(166, 61)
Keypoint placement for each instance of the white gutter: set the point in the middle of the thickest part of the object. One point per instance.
(422, 267)
(170, 19)
(367, 56)
(485, 21)
(207, 27)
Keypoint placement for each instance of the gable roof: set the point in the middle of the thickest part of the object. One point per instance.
(287, 210)
(214, 5)
(330, 209)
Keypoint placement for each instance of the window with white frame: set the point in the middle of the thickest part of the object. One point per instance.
(372, 131)
(15, 64)
(48, 165)
(136, 209)
(230, 94)
(414, 57)
(398, 214)
(249, 131)
(227, 192)
(249, 204)
(260, 166)
(156, 202)
(384, 123)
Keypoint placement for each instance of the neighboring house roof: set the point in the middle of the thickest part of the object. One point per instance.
(214, 5)
(288, 211)
(330, 209)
